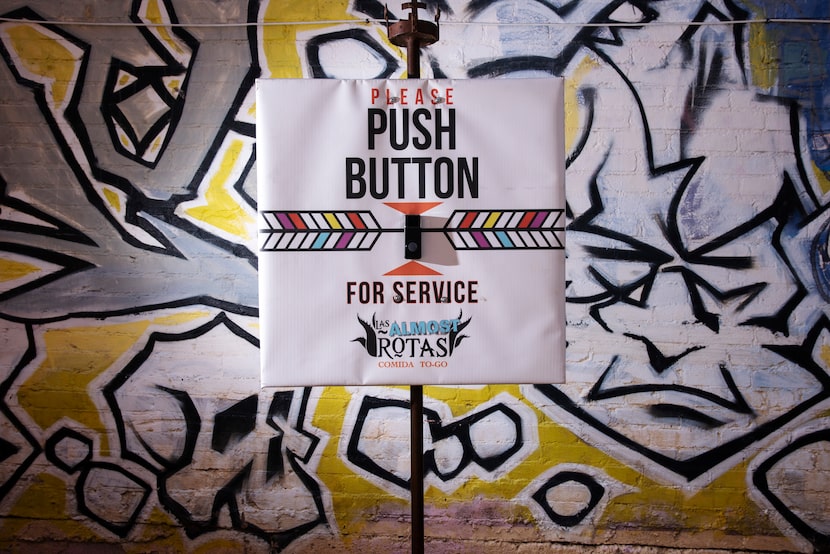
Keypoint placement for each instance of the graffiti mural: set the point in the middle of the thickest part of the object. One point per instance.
(695, 411)
(487, 443)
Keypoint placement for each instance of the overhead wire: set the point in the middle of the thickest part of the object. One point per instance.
(369, 21)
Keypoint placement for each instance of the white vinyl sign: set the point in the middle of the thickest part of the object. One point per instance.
(411, 231)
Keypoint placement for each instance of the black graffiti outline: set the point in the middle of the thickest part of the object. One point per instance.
(84, 467)
(314, 44)
(459, 429)
(64, 433)
(165, 210)
(120, 529)
(362, 460)
(284, 538)
(67, 265)
(694, 467)
(138, 202)
(226, 495)
(377, 10)
(475, 7)
(52, 226)
(73, 117)
(23, 465)
(188, 408)
(820, 541)
(232, 424)
(148, 76)
(785, 210)
(737, 405)
(585, 37)
(595, 489)
(280, 407)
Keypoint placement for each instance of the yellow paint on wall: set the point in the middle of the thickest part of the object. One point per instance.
(44, 498)
(45, 501)
(181, 317)
(763, 57)
(151, 533)
(824, 354)
(42, 55)
(763, 52)
(221, 210)
(73, 358)
(725, 501)
(156, 144)
(153, 12)
(822, 178)
(279, 44)
(174, 87)
(461, 400)
(113, 199)
(352, 496)
(154, 15)
(12, 269)
(355, 498)
(557, 445)
(724, 506)
(572, 111)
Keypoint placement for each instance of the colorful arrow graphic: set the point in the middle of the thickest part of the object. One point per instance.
(465, 229)
(519, 229)
(319, 231)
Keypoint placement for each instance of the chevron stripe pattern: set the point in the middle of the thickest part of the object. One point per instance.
(506, 229)
(319, 231)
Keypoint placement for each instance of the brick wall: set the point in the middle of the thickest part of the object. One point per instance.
(696, 411)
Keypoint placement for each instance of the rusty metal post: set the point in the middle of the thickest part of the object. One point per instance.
(416, 464)
(413, 33)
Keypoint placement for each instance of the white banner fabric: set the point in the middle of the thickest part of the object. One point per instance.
(411, 231)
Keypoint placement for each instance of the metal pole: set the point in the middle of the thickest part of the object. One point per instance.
(416, 479)
(412, 33)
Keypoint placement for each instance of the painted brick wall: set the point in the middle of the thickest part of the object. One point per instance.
(696, 412)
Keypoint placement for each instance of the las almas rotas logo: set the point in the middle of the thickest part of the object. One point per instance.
(435, 338)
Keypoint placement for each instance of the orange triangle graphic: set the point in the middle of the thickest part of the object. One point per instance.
(412, 208)
(413, 268)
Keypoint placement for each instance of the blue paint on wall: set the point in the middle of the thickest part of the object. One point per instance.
(804, 67)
